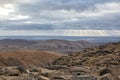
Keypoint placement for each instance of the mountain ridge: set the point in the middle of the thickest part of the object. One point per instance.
(56, 45)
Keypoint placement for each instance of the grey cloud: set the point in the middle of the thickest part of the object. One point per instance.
(52, 21)
(63, 4)
(15, 1)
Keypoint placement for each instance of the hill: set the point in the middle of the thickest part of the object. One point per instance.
(27, 57)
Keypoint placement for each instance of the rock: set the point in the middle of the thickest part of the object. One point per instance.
(114, 63)
(108, 77)
(45, 72)
(2, 71)
(79, 69)
(104, 71)
(103, 61)
(9, 78)
(43, 78)
(56, 67)
(22, 69)
(56, 75)
(119, 77)
(12, 72)
(34, 74)
(58, 78)
(84, 77)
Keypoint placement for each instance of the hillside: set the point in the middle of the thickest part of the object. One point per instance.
(61, 46)
(107, 55)
(27, 57)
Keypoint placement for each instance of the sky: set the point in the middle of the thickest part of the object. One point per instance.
(59, 17)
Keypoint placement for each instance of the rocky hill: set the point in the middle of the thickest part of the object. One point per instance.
(61, 46)
(107, 55)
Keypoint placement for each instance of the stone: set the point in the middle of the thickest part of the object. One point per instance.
(105, 71)
(43, 78)
(84, 77)
(12, 72)
(107, 77)
(75, 69)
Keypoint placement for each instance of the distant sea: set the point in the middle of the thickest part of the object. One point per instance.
(95, 39)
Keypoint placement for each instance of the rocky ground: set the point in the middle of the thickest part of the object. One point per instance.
(55, 73)
(106, 56)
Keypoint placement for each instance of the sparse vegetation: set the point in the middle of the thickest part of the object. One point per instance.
(21, 68)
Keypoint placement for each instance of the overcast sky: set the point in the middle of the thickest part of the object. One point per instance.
(60, 17)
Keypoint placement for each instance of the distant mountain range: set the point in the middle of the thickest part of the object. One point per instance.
(61, 46)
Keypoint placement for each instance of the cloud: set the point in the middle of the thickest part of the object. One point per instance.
(14, 1)
(5, 10)
(103, 10)
(100, 10)
(18, 17)
(60, 33)
(60, 15)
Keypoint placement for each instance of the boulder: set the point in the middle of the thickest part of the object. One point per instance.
(84, 77)
(105, 71)
(43, 78)
(108, 77)
(103, 61)
(79, 69)
(9, 71)
(56, 75)
(56, 67)
(12, 72)
(2, 71)
(58, 78)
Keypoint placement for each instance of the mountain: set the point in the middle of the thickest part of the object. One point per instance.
(61, 46)
(27, 57)
(14, 44)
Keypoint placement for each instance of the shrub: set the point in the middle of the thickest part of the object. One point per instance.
(22, 69)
